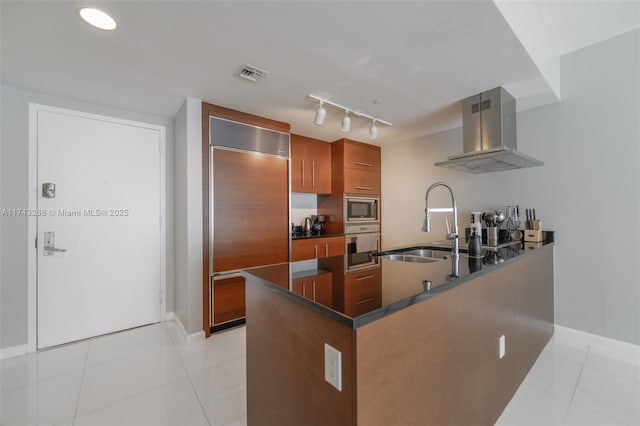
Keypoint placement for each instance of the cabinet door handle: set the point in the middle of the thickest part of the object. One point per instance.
(303, 290)
(313, 174)
(366, 277)
(360, 163)
(326, 250)
(316, 246)
(365, 188)
(303, 173)
(314, 290)
(364, 300)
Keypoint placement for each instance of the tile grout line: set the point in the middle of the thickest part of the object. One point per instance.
(193, 388)
(99, 365)
(84, 370)
(575, 387)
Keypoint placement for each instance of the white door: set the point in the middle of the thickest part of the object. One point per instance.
(105, 214)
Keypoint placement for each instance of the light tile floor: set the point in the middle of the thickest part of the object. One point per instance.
(149, 376)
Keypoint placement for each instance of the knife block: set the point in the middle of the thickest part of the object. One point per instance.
(534, 234)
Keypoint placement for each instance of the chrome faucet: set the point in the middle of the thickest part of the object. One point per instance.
(452, 234)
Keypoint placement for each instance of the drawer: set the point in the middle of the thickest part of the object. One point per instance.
(359, 307)
(316, 248)
(228, 299)
(361, 157)
(361, 182)
(362, 285)
(332, 246)
(304, 249)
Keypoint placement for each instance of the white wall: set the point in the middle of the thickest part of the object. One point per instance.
(13, 179)
(188, 215)
(588, 190)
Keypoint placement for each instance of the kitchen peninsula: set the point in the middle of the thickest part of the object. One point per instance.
(448, 340)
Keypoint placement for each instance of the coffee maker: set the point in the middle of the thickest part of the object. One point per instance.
(318, 224)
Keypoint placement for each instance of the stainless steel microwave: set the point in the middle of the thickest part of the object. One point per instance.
(361, 209)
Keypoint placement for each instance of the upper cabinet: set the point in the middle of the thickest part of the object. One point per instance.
(356, 167)
(310, 165)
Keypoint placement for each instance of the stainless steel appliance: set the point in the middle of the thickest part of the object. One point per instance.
(489, 135)
(361, 214)
(248, 210)
(359, 249)
(318, 223)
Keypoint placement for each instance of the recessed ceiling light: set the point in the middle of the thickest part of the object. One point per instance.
(98, 18)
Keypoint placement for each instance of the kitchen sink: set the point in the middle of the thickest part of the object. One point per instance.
(409, 258)
(416, 255)
(431, 253)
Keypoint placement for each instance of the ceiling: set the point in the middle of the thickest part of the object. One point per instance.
(419, 58)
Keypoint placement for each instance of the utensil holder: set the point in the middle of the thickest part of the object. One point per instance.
(492, 236)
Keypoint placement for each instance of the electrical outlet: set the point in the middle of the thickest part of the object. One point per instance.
(333, 366)
(502, 349)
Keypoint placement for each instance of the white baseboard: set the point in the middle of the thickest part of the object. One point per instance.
(596, 341)
(13, 351)
(188, 338)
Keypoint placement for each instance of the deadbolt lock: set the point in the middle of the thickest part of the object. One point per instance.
(48, 190)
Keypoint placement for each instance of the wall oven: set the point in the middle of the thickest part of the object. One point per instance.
(359, 248)
(361, 209)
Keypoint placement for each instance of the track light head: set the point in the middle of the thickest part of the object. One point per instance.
(345, 125)
(346, 122)
(321, 113)
(373, 130)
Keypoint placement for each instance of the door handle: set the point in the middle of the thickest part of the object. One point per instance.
(364, 188)
(360, 163)
(55, 249)
(50, 245)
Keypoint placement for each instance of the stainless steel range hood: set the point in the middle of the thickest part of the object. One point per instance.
(489, 135)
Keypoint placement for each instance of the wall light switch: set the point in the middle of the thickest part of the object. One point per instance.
(333, 366)
(502, 346)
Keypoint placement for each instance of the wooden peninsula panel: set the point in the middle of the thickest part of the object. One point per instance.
(285, 363)
(441, 355)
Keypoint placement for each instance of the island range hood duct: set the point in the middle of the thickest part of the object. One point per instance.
(489, 135)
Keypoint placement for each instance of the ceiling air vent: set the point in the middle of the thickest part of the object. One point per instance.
(251, 73)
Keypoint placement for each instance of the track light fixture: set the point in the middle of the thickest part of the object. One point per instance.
(345, 126)
(346, 121)
(321, 113)
(373, 130)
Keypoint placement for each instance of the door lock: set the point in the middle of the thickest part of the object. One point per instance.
(49, 244)
(49, 190)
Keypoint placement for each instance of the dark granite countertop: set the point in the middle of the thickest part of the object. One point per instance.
(402, 283)
(306, 237)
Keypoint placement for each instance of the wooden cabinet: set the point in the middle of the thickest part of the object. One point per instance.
(228, 299)
(315, 287)
(310, 165)
(316, 248)
(361, 182)
(362, 292)
(356, 167)
(361, 156)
